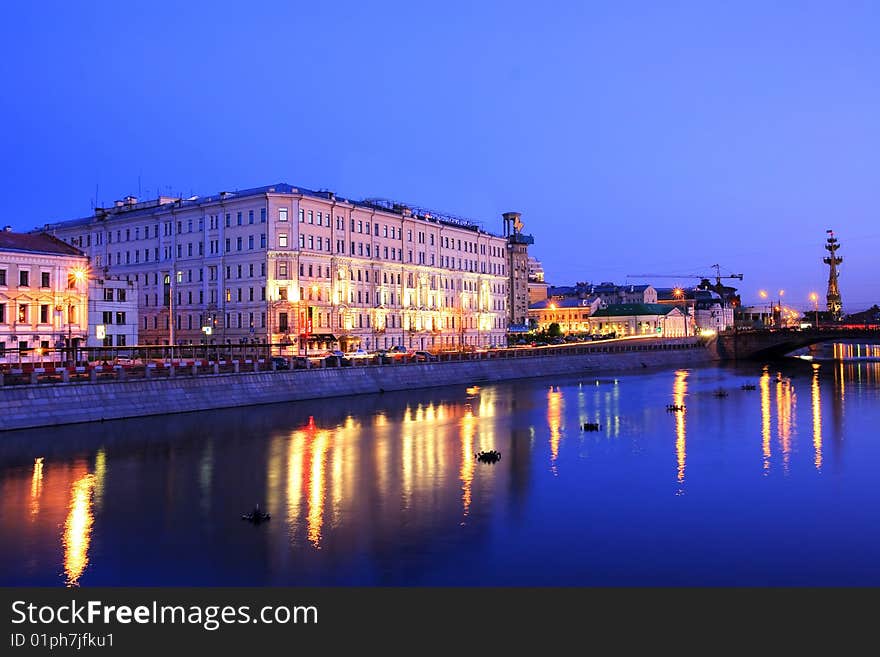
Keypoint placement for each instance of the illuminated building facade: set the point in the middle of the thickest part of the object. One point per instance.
(641, 319)
(537, 286)
(306, 268)
(43, 297)
(113, 312)
(571, 313)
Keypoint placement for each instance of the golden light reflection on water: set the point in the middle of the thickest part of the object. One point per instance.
(316, 486)
(36, 486)
(817, 418)
(554, 421)
(466, 472)
(785, 403)
(100, 475)
(78, 529)
(765, 417)
(679, 393)
(295, 457)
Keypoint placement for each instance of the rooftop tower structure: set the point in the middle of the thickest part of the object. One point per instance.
(832, 260)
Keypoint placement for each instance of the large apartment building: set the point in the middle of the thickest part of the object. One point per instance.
(305, 268)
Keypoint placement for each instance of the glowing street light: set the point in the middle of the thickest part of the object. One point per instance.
(815, 299)
(678, 293)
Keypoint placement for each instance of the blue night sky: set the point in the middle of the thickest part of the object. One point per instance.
(634, 138)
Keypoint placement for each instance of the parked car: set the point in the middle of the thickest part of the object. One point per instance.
(332, 357)
(423, 356)
(281, 363)
(357, 353)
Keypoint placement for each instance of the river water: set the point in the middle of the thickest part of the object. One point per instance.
(772, 486)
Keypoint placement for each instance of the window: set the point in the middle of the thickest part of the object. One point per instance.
(250, 216)
(262, 240)
(282, 214)
(250, 242)
(44, 314)
(282, 240)
(2, 314)
(120, 340)
(2, 277)
(44, 279)
(262, 215)
(24, 278)
(108, 294)
(238, 218)
(22, 314)
(302, 216)
(107, 317)
(311, 217)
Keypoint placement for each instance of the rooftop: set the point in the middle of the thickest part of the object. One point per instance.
(131, 207)
(635, 309)
(567, 302)
(36, 243)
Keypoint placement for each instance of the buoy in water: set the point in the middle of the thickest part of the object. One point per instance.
(491, 456)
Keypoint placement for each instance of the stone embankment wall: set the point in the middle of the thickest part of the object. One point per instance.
(67, 403)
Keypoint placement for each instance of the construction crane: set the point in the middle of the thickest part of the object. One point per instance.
(717, 275)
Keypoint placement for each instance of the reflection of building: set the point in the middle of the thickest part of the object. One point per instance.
(287, 264)
(571, 313)
(113, 312)
(640, 319)
(42, 295)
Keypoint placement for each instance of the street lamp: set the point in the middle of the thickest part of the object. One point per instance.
(678, 293)
(763, 295)
(779, 308)
(74, 279)
(815, 299)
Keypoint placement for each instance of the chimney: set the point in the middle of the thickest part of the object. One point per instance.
(130, 200)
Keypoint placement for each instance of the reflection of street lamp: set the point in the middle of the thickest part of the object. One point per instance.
(815, 299)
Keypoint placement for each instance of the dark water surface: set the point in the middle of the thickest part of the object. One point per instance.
(777, 485)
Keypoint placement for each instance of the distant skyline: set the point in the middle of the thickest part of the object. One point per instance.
(633, 137)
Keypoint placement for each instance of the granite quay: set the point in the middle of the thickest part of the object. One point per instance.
(88, 394)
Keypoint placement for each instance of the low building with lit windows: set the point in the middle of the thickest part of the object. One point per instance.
(43, 297)
(308, 269)
(641, 319)
(571, 313)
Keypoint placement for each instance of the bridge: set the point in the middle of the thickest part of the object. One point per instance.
(744, 345)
